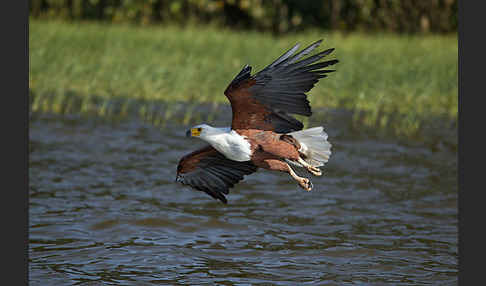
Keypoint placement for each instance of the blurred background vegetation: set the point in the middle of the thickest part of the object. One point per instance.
(277, 16)
(397, 72)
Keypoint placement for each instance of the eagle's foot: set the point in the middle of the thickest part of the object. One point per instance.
(313, 170)
(306, 184)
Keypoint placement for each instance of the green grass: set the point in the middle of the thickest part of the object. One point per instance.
(382, 75)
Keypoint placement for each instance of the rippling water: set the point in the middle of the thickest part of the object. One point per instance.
(104, 209)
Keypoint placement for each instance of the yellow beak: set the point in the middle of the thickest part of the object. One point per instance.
(195, 132)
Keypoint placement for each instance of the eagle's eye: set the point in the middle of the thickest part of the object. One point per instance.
(199, 129)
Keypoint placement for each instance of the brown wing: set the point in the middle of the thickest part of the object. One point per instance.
(209, 171)
(265, 100)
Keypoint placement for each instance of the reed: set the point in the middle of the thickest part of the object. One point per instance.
(389, 81)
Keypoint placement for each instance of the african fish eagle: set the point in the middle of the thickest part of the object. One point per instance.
(263, 134)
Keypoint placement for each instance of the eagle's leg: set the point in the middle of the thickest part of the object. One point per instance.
(275, 164)
(305, 183)
(313, 170)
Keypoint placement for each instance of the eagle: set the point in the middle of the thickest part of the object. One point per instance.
(263, 133)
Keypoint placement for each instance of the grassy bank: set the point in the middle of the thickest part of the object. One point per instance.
(414, 77)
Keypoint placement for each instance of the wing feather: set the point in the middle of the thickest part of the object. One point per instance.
(209, 171)
(265, 100)
(284, 57)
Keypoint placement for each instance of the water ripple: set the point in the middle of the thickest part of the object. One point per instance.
(104, 208)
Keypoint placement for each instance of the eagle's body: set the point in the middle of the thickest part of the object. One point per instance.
(262, 133)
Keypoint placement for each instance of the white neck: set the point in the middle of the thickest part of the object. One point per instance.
(229, 143)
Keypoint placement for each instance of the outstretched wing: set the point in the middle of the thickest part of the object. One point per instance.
(265, 100)
(209, 171)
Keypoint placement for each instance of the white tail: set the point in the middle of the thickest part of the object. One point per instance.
(314, 145)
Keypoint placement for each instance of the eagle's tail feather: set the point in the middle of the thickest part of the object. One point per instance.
(314, 145)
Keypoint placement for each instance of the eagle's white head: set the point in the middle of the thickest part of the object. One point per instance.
(206, 132)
